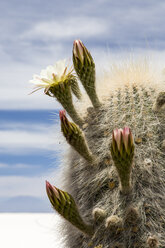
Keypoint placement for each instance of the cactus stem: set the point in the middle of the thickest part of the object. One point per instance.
(75, 137)
(63, 94)
(75, 89)
(95, 100)
(125, 182)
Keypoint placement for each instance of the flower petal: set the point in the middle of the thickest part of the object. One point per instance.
(126, 133)
(59, 67)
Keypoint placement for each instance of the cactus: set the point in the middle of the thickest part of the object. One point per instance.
(115, 173)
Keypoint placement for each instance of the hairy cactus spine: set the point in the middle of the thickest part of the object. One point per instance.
(102, 214)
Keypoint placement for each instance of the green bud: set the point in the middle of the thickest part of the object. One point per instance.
(65, 205)
(75, 137)
(85, 69)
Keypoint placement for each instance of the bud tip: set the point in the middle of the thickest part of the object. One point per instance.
(62, 114)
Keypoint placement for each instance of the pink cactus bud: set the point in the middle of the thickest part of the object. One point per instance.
(78, 50)
(117, 133)
(122, 151)
(52, 192)
(122, 137)
(63, 118)
(62, 115)
(65, 124)
(126, 136)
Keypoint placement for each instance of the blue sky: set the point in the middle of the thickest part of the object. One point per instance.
(38, 33)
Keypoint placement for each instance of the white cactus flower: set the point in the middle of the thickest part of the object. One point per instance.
(52, 75)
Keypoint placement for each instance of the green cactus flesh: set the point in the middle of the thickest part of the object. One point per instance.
(135, 219)
(98, 186)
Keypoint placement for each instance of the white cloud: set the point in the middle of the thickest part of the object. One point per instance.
(17, 166)
(28, 186)
(38, 42)
(20, 185)
(30, 139)
(3, 165)
(70, 28)
(15, 89)
(15, 86)
(32, 126)
(27, 139)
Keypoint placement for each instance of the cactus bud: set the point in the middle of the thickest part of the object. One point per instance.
(65, 124)
(79, 50)
(122, 150)
(75, 137)
(52, 193)
(122, 141)
(65, 205)
(85, 69)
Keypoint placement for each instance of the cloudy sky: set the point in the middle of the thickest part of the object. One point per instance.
(35, 34)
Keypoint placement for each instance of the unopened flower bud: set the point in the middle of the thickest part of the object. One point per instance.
(122, 141)
(78, 50)
(75, 137)
(80, 53)
(122, 150)
(52, 193)
(65, 205)
(85, 69)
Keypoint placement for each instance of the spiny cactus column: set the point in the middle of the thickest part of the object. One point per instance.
(116, 178)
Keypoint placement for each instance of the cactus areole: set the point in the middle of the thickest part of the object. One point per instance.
(114, 190)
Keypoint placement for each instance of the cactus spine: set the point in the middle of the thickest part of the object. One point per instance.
(123, 141)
